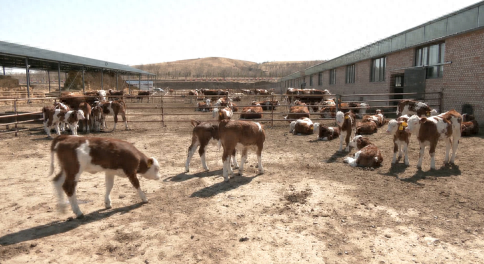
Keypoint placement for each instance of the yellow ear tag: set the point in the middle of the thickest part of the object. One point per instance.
(404, 124)
(428, 113)
(346, 117)
(400, 127)
(150, 162)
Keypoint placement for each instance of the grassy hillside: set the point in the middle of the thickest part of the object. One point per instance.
(224, 67)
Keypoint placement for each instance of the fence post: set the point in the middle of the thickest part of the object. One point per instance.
(162, 114)
(338, 101)
(441, 101)
(272, 111)
(16, 116)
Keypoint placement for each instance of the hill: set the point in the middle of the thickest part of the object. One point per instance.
(224, 67)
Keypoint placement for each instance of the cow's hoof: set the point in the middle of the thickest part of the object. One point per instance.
(81, 216)
(108, 206)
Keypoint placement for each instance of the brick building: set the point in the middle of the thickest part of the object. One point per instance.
(443, 55)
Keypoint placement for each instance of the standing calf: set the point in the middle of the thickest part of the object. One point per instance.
(91, 154)
(346, 123)
(401, 138)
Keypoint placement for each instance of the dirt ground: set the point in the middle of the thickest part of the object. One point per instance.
(308, 207)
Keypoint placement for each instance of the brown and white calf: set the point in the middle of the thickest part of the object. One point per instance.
(328, 133)
(86, 123)
(401, 138)
(296, 112)
(378, 118)
(92, 154)
(204, 106)
(303, 126)
(251, 112)
(97, 118)
(469, 128)
(366, 127)
(246, 133)
(114, 108)
(359, 142)
(346, 124)
(446, 126)
(53, 117)
(410, 107)
(368, 156)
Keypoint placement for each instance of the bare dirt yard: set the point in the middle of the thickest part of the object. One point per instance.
(308, 207)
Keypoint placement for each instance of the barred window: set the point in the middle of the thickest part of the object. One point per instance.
(431, 56)
(332, 76)
(378, 69)
(350, 73)
(320, 78)
(311, 80)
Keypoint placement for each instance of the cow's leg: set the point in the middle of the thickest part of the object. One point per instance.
(57, 130)
(243, 158)
(191, 151)
(47, 130)
(73, 128)
(109, 186)
(259, 157)
(115, 121)
(342, 135)
(420, 157)
(395, 150)
(447, 150)
(405, 152)
(201, 152)
(226, 161)
(234, 159)
(432, 155)
(123, 115)
(135, 182)
(455, 144)
(69, 187)
(87, 122)
(347, 141)
(58, 181)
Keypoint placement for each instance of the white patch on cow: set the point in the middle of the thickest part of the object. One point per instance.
(316, 127)
(292, 127)
(353, 141)
(420, 105)
(260, 127)
(434, 112)
(413, 123)
(392, 126)
(353, 161)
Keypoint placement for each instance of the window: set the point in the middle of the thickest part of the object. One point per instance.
(378, 70)
(350, 73)
(311, 80)
(320, 78)
(398, 81)
(332, 76)
(430, 56)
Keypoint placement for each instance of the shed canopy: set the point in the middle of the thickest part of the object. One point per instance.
(13, 55)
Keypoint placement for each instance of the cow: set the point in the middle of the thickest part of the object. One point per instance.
(328, 133)
(303, 126)
(251, 112)
(114, 108)
(469, 128)
(368, 156)
(247, 133)
(346, 124)
(328, 112)
(359, 142)
(401, 138)
(366, 127)
(86, 109)
(115, 95)
(97, 118)
(261, 92)
(204, 106)
(411, 107)
(53, 117)
(429, 130)
(296, 112)
(378, 118)
(142, 94)
(268, 105)
(92, 154)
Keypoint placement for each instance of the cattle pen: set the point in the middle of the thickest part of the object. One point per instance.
(307, 206)
(21, 114)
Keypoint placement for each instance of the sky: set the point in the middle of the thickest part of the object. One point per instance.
(154, 31)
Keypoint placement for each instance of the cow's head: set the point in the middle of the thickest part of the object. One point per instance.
(153, 172)
(354, 141)
(80, 115)
(414, 122)
(340, 118)
(316, 127)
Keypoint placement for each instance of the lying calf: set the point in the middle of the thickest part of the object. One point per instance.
(368, 156)
(303, 126)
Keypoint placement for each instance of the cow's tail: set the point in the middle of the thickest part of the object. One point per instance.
(53, 150)
(51, 171)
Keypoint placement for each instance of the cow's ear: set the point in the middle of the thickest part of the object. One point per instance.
(422, 120)
(150, 162)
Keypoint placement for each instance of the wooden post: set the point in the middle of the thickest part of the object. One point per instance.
(16, 116)
(48, 78)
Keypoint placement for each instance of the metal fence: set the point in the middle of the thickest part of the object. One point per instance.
(181, 107)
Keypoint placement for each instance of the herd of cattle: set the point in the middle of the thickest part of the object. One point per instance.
(116, 157)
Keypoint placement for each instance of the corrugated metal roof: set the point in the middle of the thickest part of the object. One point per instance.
(13, 55)
(461, 21)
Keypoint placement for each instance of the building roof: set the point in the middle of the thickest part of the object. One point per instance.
(464, 20)
(13, 55)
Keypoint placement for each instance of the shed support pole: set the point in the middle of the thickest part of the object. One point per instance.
(83, 86)
(48, 79)
(129, 83)
(3, 70)
(117, 81)
(58, 76)
(27, 77)
(139, 82)
(102, 73)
